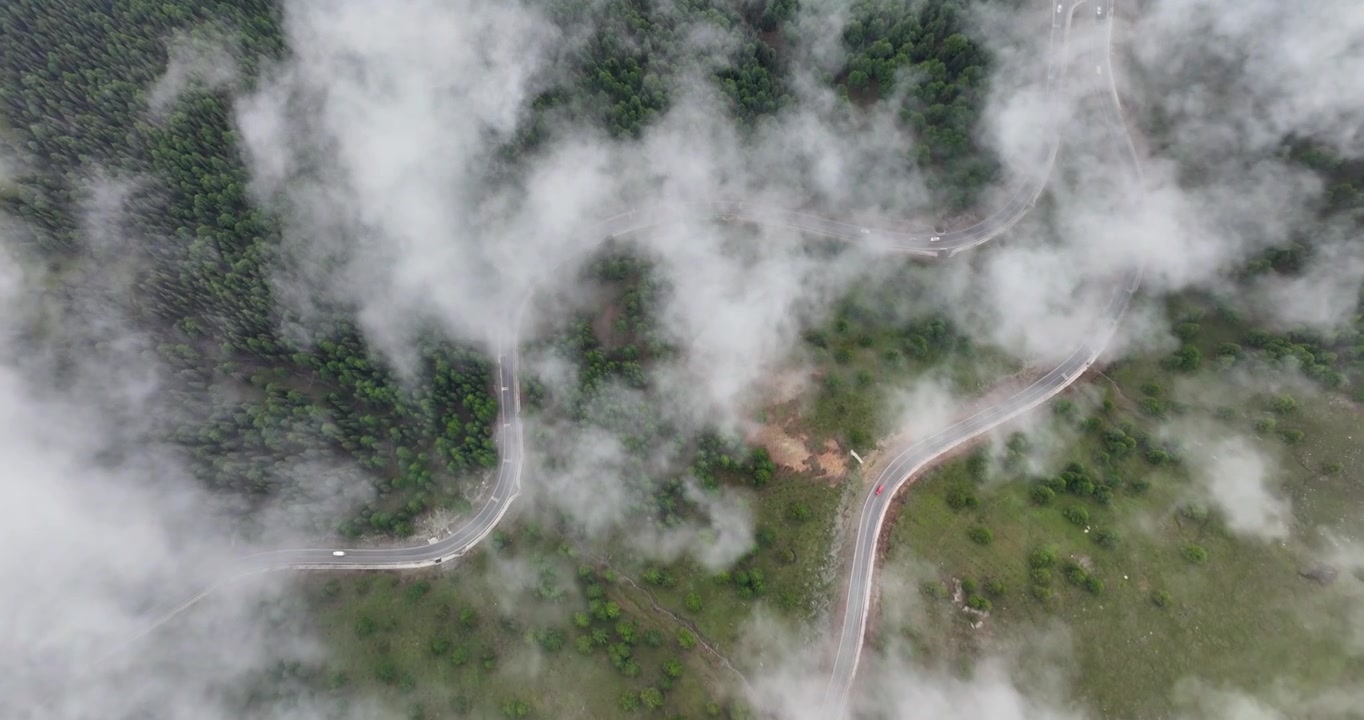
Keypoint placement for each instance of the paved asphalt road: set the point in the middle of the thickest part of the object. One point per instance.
(917, 456)
(510, 435)
(453, 543)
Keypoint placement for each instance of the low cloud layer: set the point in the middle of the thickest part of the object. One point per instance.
(1253, 72)
(604, 486)
(382, 137)
(1240, 480)
(893, 681)
(106, 533)
(202, 59)
(376, 133)
(899, 689)
(379, 140)
(1203, 701)
(404, 224)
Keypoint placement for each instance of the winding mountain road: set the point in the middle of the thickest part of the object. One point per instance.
(510, 433)
(922, 453)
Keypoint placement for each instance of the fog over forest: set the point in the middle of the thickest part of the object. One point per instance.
(399, 156)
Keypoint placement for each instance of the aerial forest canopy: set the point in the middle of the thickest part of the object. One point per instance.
(255, 405)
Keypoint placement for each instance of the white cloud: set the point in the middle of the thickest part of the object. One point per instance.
(203, 58)
(1240, 480)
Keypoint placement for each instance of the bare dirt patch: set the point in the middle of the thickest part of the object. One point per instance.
(781, 436)
(604, 326)
(791, 449)
(786, 450)
(833, 462)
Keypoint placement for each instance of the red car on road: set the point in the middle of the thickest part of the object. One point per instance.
(879, 488)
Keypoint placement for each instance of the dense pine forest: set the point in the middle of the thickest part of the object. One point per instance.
(256, 409)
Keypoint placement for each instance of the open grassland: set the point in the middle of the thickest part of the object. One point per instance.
(1115, 539)
(448, 644)
(536, 627)
(785, 572)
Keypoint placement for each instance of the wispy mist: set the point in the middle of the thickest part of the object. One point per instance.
(107, 532)
(382, 141)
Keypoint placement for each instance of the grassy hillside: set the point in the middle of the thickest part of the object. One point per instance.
(1115, 540)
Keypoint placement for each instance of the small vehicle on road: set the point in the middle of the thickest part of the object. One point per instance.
(935, 238)
(865, 231)
(879, 488)
(339, 553)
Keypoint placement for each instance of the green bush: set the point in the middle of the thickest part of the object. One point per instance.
(959, 498)
(1195, 554)
(1283, 405)
(934, 589)
(1103, 496)
(1153, 407)
(672, 667)
(1042, 558)
(1041, 495)
(1196, 512)
(981, 535)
